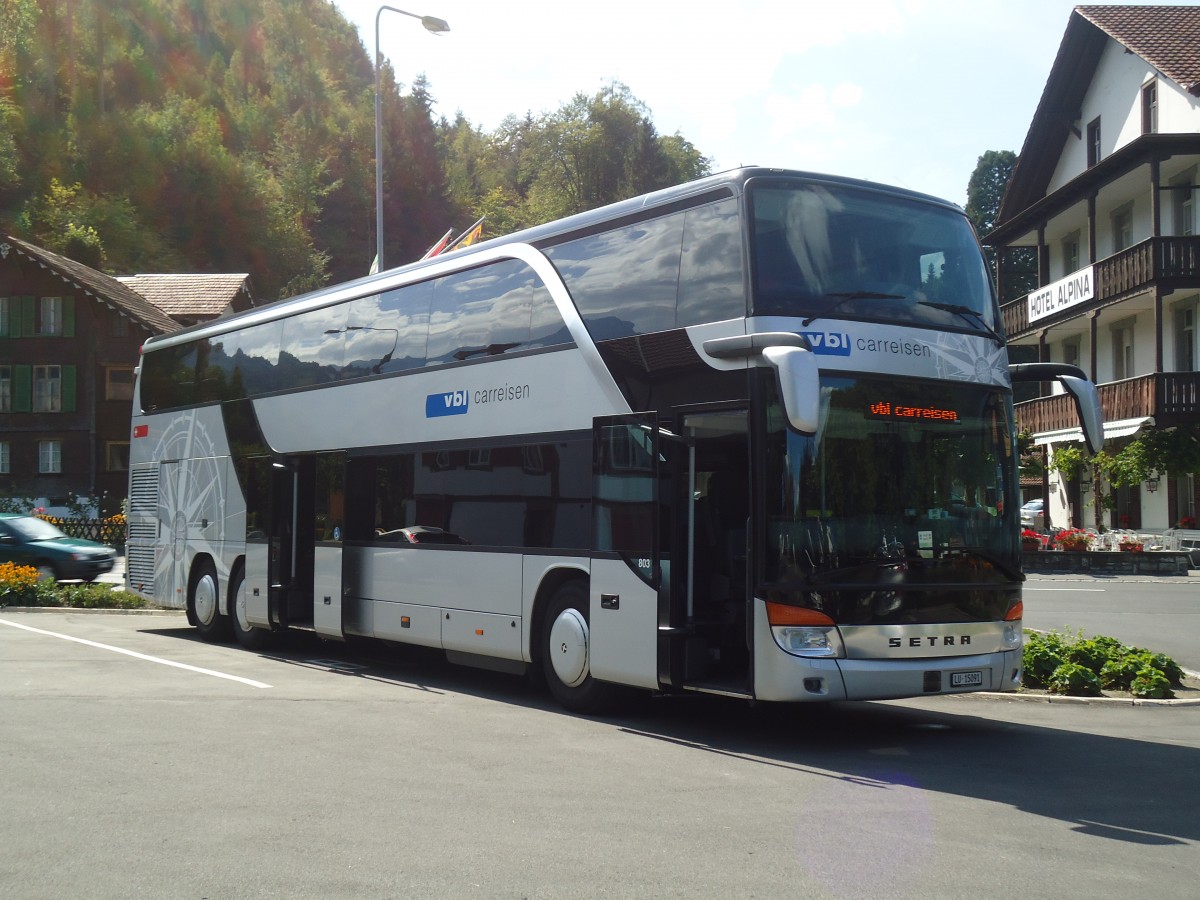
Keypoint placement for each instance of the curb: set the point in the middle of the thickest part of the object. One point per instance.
(1025, 697)
(92, 611)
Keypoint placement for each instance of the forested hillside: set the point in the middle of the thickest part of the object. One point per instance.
(238, 136)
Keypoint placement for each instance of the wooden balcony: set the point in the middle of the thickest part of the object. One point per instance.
(1162, 259)
(1170, 397)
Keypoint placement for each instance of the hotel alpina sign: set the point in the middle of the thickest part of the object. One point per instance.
(1077, 287)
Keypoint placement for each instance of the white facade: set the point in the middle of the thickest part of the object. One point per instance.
(1120, 200)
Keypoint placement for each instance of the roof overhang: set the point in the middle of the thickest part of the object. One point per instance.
(1138, 152)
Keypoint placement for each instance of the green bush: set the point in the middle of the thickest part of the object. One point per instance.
(1066, 664)
(1119, 673)
(19, 588)
(1074, 679)
(1168, 667)
(1043, 654)
(1151, 684)
(1091, 654)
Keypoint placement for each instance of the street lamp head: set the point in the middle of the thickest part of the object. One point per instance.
(434, 25)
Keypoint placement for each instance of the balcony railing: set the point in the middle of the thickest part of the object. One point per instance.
(1167, 396)
(1155, 259)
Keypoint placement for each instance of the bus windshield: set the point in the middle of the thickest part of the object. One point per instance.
(901, 487)
(825, 250)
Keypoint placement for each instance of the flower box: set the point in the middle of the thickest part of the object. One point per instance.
(1073, 539)
(1130, 546)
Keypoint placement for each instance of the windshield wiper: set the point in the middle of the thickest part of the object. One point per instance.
(841, 297)
(966, 312)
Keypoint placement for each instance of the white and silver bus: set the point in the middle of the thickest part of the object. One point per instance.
(749, 436)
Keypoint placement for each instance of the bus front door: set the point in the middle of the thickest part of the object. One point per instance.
(709, 600)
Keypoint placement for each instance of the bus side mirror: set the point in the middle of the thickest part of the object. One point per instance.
(1079, 386)
(799, 385)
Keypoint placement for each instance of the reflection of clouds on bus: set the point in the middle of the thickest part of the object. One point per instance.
(806, 220)
(681, 269)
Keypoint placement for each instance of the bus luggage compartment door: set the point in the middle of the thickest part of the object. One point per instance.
(329, 521)
(623, 608)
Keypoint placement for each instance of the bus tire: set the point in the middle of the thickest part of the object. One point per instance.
(251, 637)
(204, 600)
(565, 653)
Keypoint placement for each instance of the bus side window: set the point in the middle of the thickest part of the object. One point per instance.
(711, 283)
(481, 312)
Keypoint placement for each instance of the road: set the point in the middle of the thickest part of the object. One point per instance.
(143, 762)
(1162, 615)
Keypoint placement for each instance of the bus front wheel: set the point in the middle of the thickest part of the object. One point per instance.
(565, 653)
(204, 598)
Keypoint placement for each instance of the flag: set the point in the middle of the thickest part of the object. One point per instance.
(468, 237)
(439, 246)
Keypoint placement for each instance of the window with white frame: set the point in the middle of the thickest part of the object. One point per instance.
(1183, 204)
(49, 457)
(1122, 228)
(1070, 252)
(1185, 499)
(5, 459)
(47, 388)
(49, 316)
(6, 400)
(1071, 351)
(1094, 153)
(1150, 107)
(1122, 345)
(1185, 337)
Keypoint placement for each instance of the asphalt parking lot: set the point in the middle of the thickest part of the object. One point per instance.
(145, 762)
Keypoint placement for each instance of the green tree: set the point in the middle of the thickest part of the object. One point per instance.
(985, 194)
(985, 190)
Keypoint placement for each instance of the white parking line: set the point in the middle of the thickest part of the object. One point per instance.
(136, 655)
(1081, 590)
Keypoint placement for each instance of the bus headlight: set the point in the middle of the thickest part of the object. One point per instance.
(1013, 636)
(804, 632)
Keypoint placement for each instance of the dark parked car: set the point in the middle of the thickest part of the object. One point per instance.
(30, 541)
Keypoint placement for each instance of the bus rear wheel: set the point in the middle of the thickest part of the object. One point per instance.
(248, 636)
(204, 599)
(565, 646)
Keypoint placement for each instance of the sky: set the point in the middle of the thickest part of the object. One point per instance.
(904, 92)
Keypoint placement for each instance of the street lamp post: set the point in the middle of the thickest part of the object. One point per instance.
(434, 26)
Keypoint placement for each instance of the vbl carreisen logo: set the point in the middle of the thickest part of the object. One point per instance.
(828, 343)
(448, 403)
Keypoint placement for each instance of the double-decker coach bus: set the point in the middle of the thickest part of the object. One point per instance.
(749, 436)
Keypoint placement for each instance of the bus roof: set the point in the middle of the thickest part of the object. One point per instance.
(730, 181)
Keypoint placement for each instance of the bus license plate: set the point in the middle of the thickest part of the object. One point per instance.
(966, 679)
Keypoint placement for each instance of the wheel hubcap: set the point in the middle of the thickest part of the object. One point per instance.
(239, 607)
(206, 599)
(569, 647)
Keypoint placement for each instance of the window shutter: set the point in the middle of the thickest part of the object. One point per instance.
(22, 398)
(68, 389)
(27, 316)
(68, 316)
